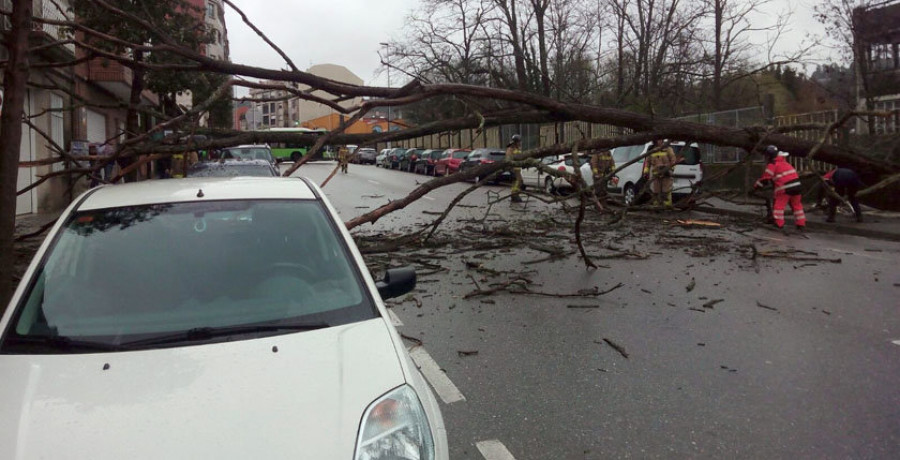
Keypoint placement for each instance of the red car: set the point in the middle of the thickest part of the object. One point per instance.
(450, 161)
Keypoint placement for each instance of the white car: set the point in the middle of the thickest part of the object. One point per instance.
(535, 177)
(226, 318)
(688, 173)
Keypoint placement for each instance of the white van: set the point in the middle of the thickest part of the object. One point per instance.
(688, 173)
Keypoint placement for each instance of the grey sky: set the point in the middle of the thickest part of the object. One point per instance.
(348, 32)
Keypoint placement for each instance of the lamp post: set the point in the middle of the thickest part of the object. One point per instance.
(386, 51)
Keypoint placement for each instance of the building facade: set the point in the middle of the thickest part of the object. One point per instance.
(878, 63)
(275, 108)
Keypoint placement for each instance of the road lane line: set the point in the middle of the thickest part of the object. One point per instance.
(493, 449)
(395, 320)
(373, 182)
(851, 253)
(442, 385)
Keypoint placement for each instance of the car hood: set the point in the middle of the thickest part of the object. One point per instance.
(226, 400)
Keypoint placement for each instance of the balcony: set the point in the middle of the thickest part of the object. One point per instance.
(115, 78)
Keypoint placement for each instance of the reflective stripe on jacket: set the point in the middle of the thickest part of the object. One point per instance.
(782, 175)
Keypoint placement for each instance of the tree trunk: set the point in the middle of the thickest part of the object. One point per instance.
(15, 78)
(718, 64)
(132, 121)
(540, 12)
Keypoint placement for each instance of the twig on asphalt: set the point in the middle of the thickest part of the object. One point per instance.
(758, 304)
(616, 347)
(712, 303)
(418, 342)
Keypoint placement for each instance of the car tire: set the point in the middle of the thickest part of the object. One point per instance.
(548, 186)
(628, 195)
(295, 156)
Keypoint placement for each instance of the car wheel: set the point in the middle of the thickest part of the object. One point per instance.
(295, 156)
(629, 195)
(548, 186)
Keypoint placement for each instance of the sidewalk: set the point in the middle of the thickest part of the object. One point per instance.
(877, 224)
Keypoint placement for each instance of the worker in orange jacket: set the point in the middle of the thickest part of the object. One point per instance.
(787, 187)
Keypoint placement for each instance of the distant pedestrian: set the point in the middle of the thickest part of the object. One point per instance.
(845, 183)
(343, 159)
(787, 187)
(513, 149)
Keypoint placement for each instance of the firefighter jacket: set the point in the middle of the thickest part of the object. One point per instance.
(660, 163)
(511, 152)
(782, 175)
(602, 163)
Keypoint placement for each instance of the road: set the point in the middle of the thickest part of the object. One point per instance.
(727, 356)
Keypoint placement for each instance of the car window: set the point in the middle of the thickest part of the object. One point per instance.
(460, 154)
(115, 275)
(627, 153)
(691, 154)
(230, 170)
(247, 153)
(498, 155)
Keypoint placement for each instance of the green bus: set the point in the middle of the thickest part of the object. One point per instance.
(291, 152)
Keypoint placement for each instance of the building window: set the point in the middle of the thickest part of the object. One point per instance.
(265, 108)
(265, 120)
(211, 10)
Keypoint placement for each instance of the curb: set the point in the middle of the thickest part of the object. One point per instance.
(818, 226)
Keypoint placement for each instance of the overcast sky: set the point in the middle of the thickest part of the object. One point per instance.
(348, 32)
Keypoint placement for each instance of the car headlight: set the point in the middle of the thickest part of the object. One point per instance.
(395, 427)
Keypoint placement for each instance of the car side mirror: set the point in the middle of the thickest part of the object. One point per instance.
(396, 282)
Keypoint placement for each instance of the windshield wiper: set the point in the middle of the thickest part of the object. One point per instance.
(58, 342)
(206, 333)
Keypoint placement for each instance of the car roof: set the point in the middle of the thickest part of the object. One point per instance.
(187, 189)
(249, 146)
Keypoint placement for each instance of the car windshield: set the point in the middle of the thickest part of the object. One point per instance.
(460, 154)
(626, 153)
(247, 153)
(691, 154)
(133, 273)
(230, 170)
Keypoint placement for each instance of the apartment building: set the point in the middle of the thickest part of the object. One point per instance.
(878, 53)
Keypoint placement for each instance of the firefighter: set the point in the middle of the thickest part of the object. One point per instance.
(180, 163)
(658, 168)
(512, 149)
(343, 158)
(845, 183)
(786, 182)
(602, 164)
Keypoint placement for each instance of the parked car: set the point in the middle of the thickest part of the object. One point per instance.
(383, 158)
(535, 177)
(450, 161)
(484, 156)
(233, 168)
(365, 156)
(248, 152)
(189, 318)
(688, 173)
(409, 159)
(395, 157)
(425, 163)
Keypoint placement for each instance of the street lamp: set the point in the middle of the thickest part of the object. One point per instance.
(386, 51)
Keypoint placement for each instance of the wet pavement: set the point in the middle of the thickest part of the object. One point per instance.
(789, 353)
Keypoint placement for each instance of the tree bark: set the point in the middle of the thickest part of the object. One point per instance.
(132, 121)
(15, 78)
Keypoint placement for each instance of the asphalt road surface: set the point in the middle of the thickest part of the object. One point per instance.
(788, 354)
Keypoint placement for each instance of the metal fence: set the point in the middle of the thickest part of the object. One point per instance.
(737, 118)
(824, 119)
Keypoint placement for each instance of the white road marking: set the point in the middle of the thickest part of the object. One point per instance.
(851, 253)
(442, 385)
(395, 320)
(428, 198)
(374, 182)
(494, 450)
(896, 342)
